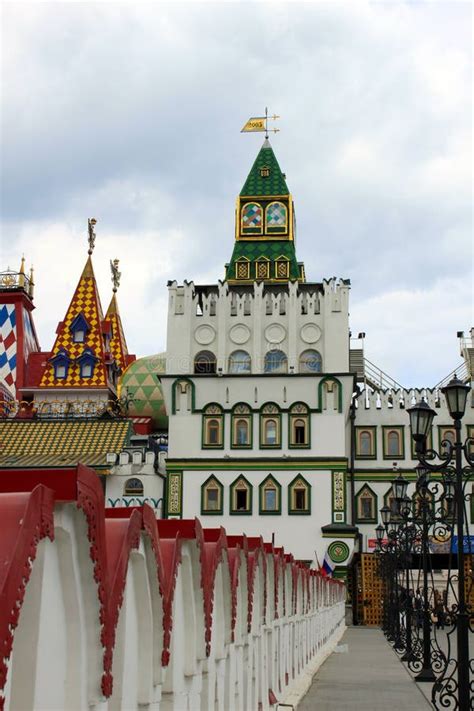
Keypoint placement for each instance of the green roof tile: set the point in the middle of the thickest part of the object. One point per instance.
(274, 184)
(270, 249)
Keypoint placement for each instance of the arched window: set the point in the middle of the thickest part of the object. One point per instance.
(276, 217)
(311, 362)
(390, 501)
(133, 487)
(276, 362)
(393, 443)
(212, 496)
(270, 496)
(270, 426)
(251, 218)
(299, 496)
(447, 434)
(241, 496)
(213, 427)
(205, 362)
(239, 362)
(299, 425)
(419, 501)
(365, 442)
(366, 505)
(241, 427)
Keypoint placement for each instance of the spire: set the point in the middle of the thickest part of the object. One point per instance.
(264, 248)
(118, 344)
(80, 337)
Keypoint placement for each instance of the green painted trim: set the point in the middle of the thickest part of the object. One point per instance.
(203, 427)
(291, 510)
(217, 512)
(253, 464)
(173, 393)
(361, 428)
(263, 417)
(296, 416)
(261, 486)
(320, 391)
(376, 505)
(179, 513)
(249, 512)
(440, 437)
(344, 495)
(251, 426)
(401, 430)
(339, 535)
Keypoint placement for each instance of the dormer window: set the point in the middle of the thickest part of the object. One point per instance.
(60, 363)
(79, 329)
(86, 363)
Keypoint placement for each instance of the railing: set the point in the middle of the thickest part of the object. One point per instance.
(462, 372)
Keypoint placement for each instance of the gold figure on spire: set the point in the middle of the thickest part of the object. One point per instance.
(115, 274)
(91, 223)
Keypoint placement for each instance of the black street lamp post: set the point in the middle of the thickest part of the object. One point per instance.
(452, 693)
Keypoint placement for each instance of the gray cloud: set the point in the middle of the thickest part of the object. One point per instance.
(132, 113)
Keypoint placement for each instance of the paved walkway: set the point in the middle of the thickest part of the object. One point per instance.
(368, 677)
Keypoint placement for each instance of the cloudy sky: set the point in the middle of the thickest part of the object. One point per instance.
(131, 113)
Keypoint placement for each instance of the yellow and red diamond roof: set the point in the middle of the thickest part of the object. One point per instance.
(86, 301)
(118, 344)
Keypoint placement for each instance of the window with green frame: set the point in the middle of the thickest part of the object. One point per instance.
(445, 433)
(299, 496)
(212, 494)
(299, 427)
(242, 425)
(213, 427)
(366, 505)
(270, 426)
(365, 442)
(269, 493)
(393, 442)
(389, 500)
(241, 496)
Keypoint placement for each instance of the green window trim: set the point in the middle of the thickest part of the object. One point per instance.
(429, 444)
(292, 511)
(212, 416)
(357, 431)
(441, 430)
(359, 518)
(233, 511)
(292, 416)
(264, 418)
(386, 429)
(235, 417)
(220, 487)
(329, 378)
(261, 493)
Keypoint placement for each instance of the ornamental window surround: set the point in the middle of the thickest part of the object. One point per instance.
(241, 420)
(282, 268)
(212, 496)
(242, 268)
(366, 505)
(240, 362)
(448, 433)
(61, 362)
(299, 433)
(310, 361)
(133, 487)
(86, 362)
(241, 496)
(270, 426)
(262, 268)
(393, 442)
(276, 217)
(299, 496)
(269, 496)
(365, 443)
(213, 427)
(79, 329)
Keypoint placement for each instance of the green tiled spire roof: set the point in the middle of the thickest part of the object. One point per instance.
(274, 184)
(269, 249)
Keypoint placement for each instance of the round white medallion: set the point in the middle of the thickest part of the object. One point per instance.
(204, 335)
(275, 333)
(239, 334)
(310, 333)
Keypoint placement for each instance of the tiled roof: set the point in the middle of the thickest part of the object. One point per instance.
(85, 301)
(271, 249)
(118, 344)
(274, 184)
(60, 442)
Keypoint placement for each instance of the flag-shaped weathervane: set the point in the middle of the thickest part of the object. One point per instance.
(260, 123)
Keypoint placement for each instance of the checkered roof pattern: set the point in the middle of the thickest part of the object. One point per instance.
(8, 346)
(271, 249)
(118, 344)
(86, 301)
(274, 184)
